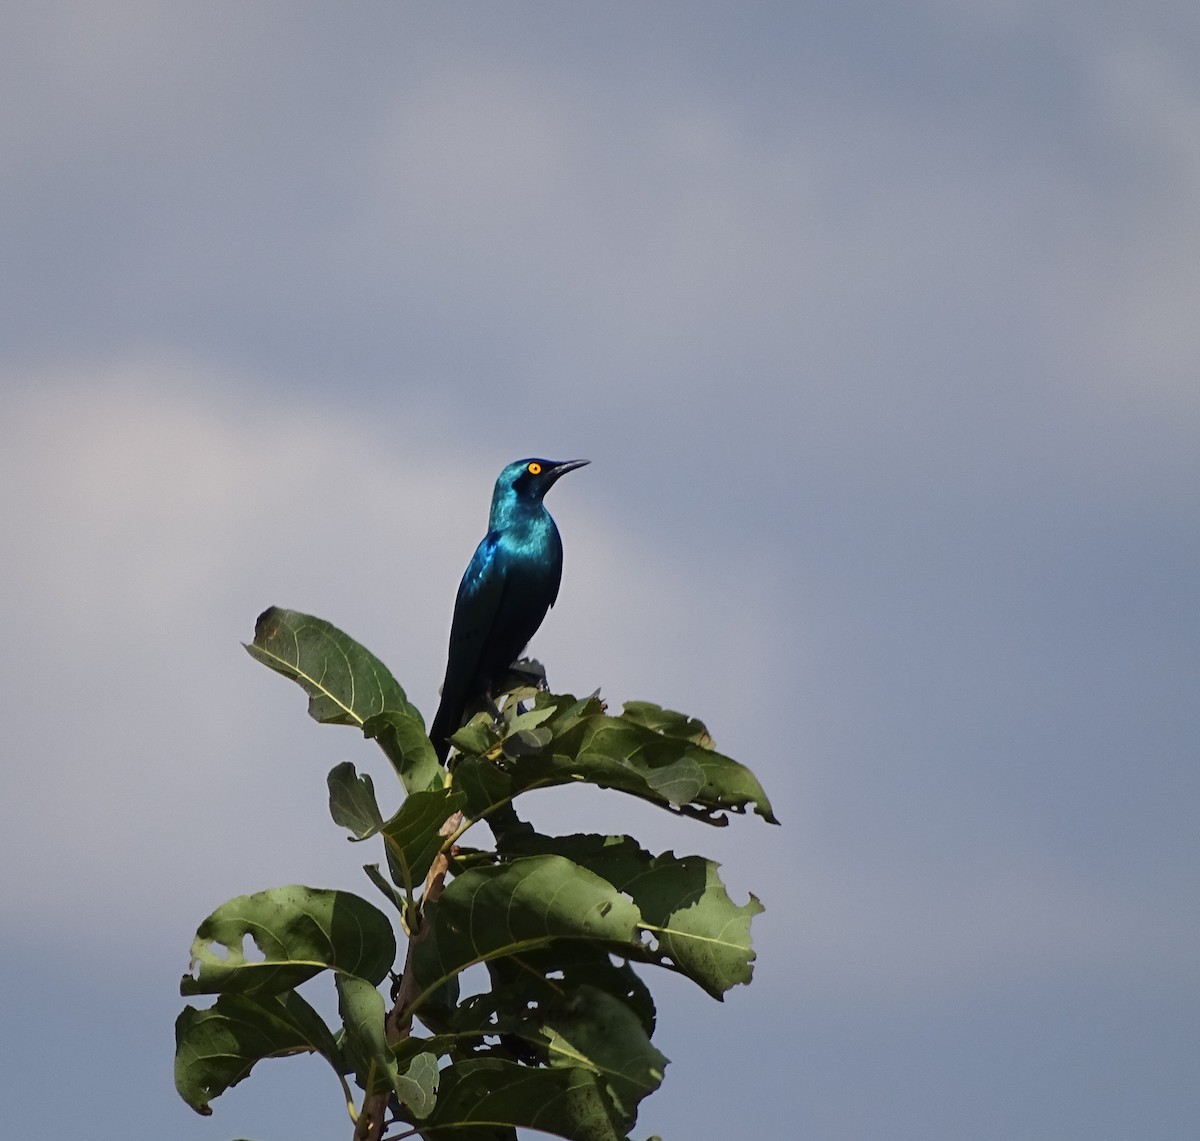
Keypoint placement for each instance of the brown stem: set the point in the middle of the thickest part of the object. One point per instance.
(398, 1024)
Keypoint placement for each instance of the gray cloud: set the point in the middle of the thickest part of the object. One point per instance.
(879, 329)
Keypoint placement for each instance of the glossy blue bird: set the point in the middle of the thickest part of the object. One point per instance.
(511, 582)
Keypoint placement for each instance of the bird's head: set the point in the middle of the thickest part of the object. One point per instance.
(526, 481)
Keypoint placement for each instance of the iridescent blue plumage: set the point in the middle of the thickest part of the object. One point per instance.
(510, 583)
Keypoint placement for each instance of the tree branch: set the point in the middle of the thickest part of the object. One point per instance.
(398, 1025)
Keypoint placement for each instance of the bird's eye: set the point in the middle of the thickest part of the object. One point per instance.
(534, 469)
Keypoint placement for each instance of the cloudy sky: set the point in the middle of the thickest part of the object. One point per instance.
(881, 327)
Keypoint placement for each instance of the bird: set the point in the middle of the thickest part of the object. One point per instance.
(510, 583)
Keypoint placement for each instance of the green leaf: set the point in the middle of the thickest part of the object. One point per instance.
(348, 685)
(614, 752)
(216, 1048)
(393, 897)
(299, 931)
(545, 974)
(569, 710)
(671, 766)
(352, 802)
(592, 1029)
(374, 1061)
(477, 736)
(501, 1010)
(401, 735)
(407, 1050)
(365, 1042)
(417, 1085)
(684, 905)
(476, 1133)
(567, 1102)
(667, 722)
(515, 907)
(345, 682)
(523, 731)
(518, 721)
(413, 836)
(566, 1024)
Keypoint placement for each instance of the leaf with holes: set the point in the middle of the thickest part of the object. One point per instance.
(682, 901)
(299, 931)
(216, 1048)
(544, 974)
(592, 1029)
(566, 1024)
(670, 770)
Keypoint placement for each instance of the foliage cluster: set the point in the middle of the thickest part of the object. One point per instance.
(555, 1034)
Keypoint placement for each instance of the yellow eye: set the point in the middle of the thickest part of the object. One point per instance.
(534, 469)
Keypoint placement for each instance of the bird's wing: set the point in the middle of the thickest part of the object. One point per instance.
(480, 600)
(555, 552)
(480, 592)
(475, 608)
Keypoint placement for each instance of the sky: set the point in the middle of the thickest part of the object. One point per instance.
(879, 326)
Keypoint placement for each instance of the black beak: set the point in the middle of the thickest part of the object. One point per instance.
(555, 470)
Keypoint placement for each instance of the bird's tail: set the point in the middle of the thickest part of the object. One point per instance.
(447, 720)
(439, 733)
